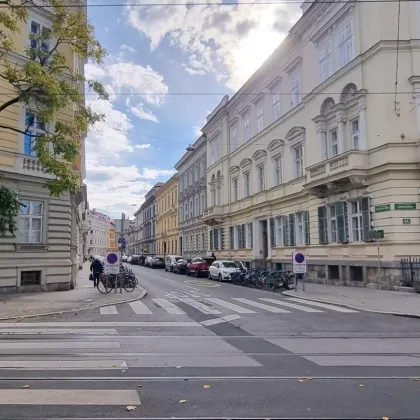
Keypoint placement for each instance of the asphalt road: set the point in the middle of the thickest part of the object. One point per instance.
(199, 348)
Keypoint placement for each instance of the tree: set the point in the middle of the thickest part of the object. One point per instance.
(46, 84)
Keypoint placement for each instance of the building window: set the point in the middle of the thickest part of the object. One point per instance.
(247, 185)
(191, 179)
(246, 129)
(219, 196)
(197, 171)
(30, 278)
(333, 139)
(354, 131)
(30, 221)
(325, 60)
(203, 203)
(197, 206)
(298, 161)
(333, 225)
(276, 105)
(345, 44)
(279, 230)
(33, 129)
(36, 44)
(300, 229)
(234, 137)
(277, 171)
(185, 211)
(356, 221)
(235, 189)
(261, 182)
(260, 118)
(215, 149)
(295, 89)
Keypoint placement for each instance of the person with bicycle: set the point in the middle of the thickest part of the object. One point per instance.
(96, 268)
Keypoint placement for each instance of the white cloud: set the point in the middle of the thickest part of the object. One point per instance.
(194, 72)
(197, 131)
(125, 47)
(227, 40)
(144, 114)
(148, 173)
(143, 146)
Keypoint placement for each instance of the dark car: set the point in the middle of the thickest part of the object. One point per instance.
(199, 266)
(181, 266)
(157, 262)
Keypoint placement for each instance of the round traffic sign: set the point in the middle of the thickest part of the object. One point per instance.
(299, 258)
(112, 258)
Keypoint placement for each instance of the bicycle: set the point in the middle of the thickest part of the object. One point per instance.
(109, 282)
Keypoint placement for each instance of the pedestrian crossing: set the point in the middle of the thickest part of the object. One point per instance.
(217, 306)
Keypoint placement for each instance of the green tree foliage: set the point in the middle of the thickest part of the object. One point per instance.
(47, 83)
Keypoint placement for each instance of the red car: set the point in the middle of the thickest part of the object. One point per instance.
(199, 266)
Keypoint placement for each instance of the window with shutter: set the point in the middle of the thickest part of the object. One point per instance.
(292, 240)
(272, 232)
(286, 229)
(342, 227)
(243, 236)
(232, 238)
(366, 218)
(322, 225)
(211, 240)
(239, 236)
(307, 227)
(251, 245)
(222, 238)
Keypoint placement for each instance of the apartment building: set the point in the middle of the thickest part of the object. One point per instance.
(167, 218)
(316, 152)
(47, 250)
(147, 214)
(99, 228)
(192, 200)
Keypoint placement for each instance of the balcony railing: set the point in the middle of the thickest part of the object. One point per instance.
(337, 167)
(31, 165)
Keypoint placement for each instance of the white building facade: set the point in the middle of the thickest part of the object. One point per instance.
(193, 239)
(99, 226)
(316, 152)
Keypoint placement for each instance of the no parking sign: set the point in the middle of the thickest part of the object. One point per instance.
(299, 262)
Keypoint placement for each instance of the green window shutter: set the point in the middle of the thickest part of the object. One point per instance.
(239, 236)
(211, 240)
(322, 225)
(251, 233)
(286, 228)
(222, 238)
(342, 225)
(366, 218)
(292, 240)
(272, 232)
(307, 227)
(232, 238)
(243, 236)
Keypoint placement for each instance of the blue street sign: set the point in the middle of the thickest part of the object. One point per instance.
(112, 258)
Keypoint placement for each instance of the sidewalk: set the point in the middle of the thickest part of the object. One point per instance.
(84, 296)
(371, 300)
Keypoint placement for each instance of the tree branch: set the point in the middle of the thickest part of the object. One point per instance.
(25, 133)
(9, 103)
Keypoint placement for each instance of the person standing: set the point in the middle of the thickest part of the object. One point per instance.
(96, 268)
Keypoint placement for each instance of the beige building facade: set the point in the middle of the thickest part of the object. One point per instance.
(167, 218)
(316, 152)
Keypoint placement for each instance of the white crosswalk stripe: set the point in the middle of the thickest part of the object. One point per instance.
(109, 310)
(140, 308)
(231, 306)
(262, 306)
(323, 305)
(169, 306)
(200, 307)
(290, 305)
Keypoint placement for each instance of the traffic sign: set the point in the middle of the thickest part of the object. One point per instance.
(111, 259)
(112, 269)
(299, 262)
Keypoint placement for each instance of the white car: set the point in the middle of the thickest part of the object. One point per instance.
(222, 270)
(124, 258)
(129, 259)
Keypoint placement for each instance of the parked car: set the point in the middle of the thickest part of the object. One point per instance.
(222, 270)
(170, 261)
(124, 258)
(180, 267)
(199, 266)
(142, 260)
(129, 258)
(134, 259)
(157, 262)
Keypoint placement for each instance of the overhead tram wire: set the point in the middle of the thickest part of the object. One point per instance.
(210, 4)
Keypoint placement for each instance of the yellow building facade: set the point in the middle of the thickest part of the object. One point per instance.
(112, 238)
(48, 247)
(167, 218)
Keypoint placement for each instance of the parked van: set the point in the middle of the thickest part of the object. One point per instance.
(170, 260)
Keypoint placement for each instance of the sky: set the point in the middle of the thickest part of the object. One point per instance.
(167, 68)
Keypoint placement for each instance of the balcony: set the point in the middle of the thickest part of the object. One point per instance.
(338, 174)
(30, 165)
(213, 215)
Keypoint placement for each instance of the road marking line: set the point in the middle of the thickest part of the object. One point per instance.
(194, 288)
(109, 310)
(262, 306)
(169, 306)
(231, 306)
(102, 324)
(43, 397)
(323, 305)
(140, 308)
(48, 331)
(91, 364)
(173, 281)
(291, 305)
(200, 307)
(220, 320)
(16, 345)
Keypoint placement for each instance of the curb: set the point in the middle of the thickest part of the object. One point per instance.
(402, 314)
(142, 295)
